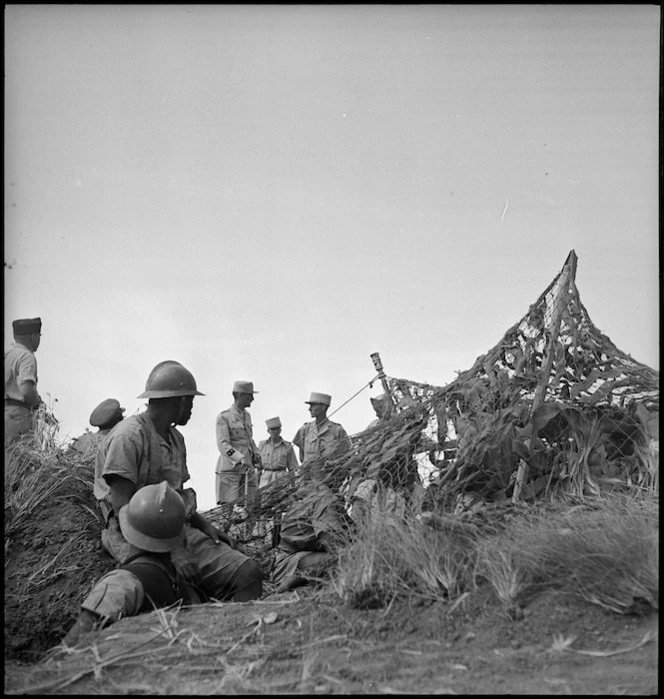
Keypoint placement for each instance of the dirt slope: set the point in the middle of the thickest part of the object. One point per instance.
(306, 642)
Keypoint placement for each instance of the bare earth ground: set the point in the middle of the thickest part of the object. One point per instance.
(303, 642)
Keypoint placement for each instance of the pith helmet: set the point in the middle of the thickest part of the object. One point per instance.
(320, 398)
(273, 422)
(244, 387)
(170, 379)
(153, 520)
(107, 413)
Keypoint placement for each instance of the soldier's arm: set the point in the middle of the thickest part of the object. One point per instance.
(121, 491)
(298, 441)
(27, 381)
(199, 522)
(224, 440)
(291, 460)
(30, 394)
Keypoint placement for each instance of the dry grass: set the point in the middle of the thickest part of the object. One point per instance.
(393, 556)
(37, 470)
(606, 551)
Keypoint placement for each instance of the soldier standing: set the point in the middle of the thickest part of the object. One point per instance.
(277, 455)
(21, 395)
(239, 456)
(320, 439)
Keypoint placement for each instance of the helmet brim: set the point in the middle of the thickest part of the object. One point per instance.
(148, 543)
(169, 394)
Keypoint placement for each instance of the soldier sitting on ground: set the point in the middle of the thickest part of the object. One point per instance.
(147, 448)
(153, 524)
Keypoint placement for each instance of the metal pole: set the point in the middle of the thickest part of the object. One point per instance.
(375, 357)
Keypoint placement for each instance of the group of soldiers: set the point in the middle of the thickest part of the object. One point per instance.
(164, 548)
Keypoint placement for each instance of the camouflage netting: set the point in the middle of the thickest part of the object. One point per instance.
(555, 407)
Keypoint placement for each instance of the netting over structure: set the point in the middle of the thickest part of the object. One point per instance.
(554, 407)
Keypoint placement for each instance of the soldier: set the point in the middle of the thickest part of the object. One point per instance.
(147, 448)
(239, 456)
(21, 395)
(320, 439)
(153, 522)
(277, 455)
(105, 416)
(313, 529)
(382, 407)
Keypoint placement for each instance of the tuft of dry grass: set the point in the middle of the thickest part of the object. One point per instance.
(395, 556)
(606, 551)
(37, 469)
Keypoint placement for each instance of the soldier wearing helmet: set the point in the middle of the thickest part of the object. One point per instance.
(153, 523)
(147, 448)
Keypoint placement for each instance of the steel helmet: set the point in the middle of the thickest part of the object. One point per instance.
(154, 518)
(169, 379)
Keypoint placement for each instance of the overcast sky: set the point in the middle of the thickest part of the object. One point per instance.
(272, 193)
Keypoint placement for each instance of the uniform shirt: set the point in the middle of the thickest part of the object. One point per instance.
(277, 457)
(235, 434)
(134, 450)
(20, 366)
(325, 441)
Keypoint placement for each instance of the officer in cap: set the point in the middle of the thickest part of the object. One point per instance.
(320, 439)
(147, 448)
(105, 416)
(21, 395)
(277, 455)
(239, 457)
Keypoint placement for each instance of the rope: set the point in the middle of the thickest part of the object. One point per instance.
(368, 385)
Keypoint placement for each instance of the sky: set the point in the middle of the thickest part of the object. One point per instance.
(274, 192)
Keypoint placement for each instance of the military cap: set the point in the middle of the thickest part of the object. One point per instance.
(319, 398)
(244, 387)
(107, 413)
(27, 326)
(273, 422)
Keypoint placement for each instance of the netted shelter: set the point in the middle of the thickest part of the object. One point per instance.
(553, 408)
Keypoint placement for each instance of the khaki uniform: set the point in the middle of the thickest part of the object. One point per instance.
(236, 465)
(319, 443)
(20, 366)
(135, 451)
(277, 460)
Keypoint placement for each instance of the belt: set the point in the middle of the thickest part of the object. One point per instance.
(283, 468)
(18, 403)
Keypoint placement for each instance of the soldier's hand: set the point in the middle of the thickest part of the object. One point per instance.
(186, 565)
(218, 535)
